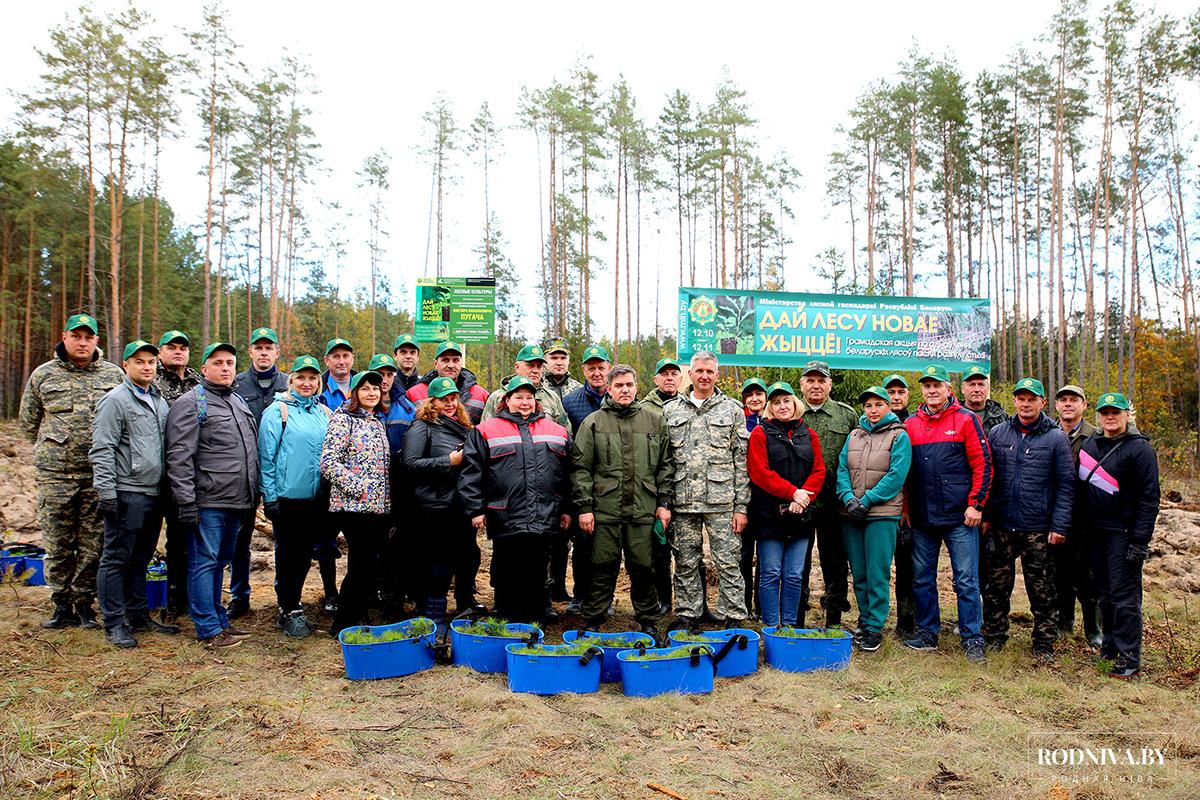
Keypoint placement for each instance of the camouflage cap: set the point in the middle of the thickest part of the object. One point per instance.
(77, 321)
(405, 339)
(1113, 400)
(1031, 385)
(558, 345)
(135, 346)
(934, 372)
(531, 352)
(816, 366)
(217, 346)
(172, 336)
(306, 362)
(382, 360)
(264, 335)
(442, 387)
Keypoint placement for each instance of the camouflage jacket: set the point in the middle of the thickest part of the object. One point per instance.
(623, 468)
(172, 387)
(58, 407)
(832, 424)
(548, 397)
(992, 414)
(708, 447)
(561, 388)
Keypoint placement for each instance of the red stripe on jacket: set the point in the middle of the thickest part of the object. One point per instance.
(771, 481)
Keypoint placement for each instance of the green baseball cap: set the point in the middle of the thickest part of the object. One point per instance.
(215, 346)
(816, 366)
(140, 344)
(1113, 400)
(173, 336)
(519, 382)
(306, 362)
(448, 347)
(264, 334)
(895, 377)
(442, 387)
(531, 352)
(405, 339)
(373, 377)
(934, 372)
(380, 360)
(1032, 385)
(753, 383)
(780, 386)
(874, 391)
(596, 353)
(975, 371)
(333, 344)
(558, 345)
(77, 321)
(663, 363)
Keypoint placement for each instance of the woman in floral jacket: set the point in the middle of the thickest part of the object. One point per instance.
(354, 459)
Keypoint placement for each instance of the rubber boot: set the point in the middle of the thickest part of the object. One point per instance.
(1091, 625)
(63, 617)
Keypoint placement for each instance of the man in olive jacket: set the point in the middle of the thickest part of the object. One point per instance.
(622, 480)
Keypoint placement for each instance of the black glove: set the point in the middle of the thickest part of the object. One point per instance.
(271, 510)
(189, 515)
(856, 509)
(108, 509)
(1137, 553)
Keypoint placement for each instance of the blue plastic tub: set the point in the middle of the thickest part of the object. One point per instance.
(18, 558)
(36, 567)
(156, 585)
(485, 653)
(741, 657)
(387, 659)
(791, 654)
(553, 672)
(691, 673)
(611, 672)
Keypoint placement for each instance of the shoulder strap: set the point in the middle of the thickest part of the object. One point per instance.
(283, 414)
(1104, 458)
(201, 403)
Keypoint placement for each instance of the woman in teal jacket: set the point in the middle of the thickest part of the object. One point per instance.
(290, 437)
(871, 471)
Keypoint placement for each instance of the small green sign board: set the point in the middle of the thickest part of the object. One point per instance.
(462, 309)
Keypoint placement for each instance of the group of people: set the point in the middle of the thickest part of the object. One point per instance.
(412, 468)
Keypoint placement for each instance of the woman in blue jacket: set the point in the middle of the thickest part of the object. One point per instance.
(871, 470)
(290, 437)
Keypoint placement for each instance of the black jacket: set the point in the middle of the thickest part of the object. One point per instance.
(1121, 494)
(250, 387)
(792, 457)
(516, 472)
(1033, 485)
(427, 449)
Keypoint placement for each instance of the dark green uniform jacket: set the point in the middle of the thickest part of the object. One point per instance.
(623, 469)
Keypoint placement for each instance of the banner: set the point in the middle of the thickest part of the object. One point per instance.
(461, 309)
(782, 329)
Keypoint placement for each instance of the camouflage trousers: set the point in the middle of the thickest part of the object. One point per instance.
(726, 547)
(72, 534)
(998, 570)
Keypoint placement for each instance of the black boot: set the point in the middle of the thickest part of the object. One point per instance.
(1091, 625)
(833, 617)
(86, 615)
(63, 617)
(151, 625)
(120, 636)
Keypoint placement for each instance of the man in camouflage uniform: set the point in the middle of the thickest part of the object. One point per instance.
(977, 397)
(708, 437)
(621, 484)
(832, 421)
(174, 375)
(57, 410)
(530, 363)
(175, 378)
(558, 368)
(1029, 513)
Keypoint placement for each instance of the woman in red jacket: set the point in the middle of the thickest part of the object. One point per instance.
(786, 473)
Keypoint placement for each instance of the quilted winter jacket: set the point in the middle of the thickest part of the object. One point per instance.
(951, 465)
(434, 482)
(1034, 484)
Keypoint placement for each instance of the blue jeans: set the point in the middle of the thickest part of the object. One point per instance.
(781, 578)
(210, 549)
(963, 544)
(239, 571)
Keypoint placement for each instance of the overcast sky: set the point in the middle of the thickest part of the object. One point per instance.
(378, 66)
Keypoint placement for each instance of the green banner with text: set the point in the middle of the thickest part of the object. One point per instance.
(460, 309)
(787, 329)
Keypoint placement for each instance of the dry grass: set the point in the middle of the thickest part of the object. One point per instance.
(275, 718)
